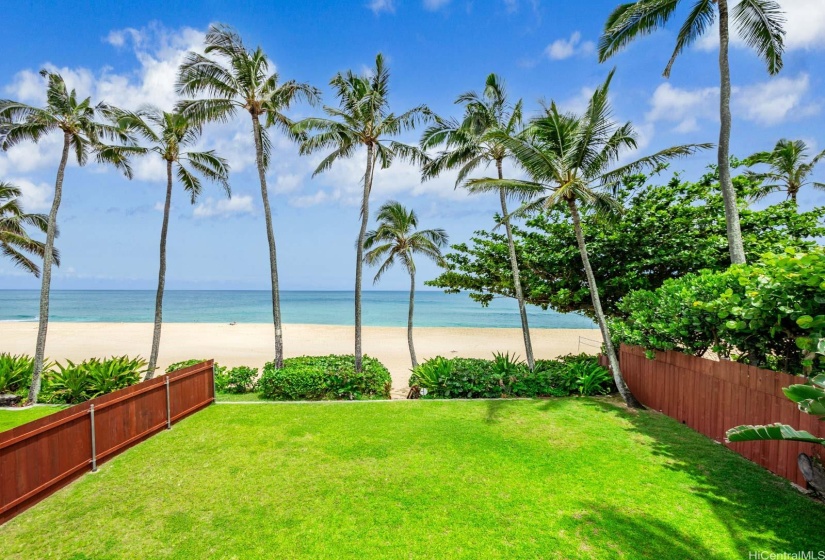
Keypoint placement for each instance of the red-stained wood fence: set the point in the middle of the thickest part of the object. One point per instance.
(38, 458)
(711, 397)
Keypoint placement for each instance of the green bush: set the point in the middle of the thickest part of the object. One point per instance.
(72, 383)
(222, 380)
(241, 379)
(16, 373)
(184, 364)
(325, 378)
(507, 376)
(769, 314)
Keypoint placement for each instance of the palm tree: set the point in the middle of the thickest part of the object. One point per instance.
(397, 239)
(168, 135)
(568, 158)
(240, 79)
(468, 148)
(82, 135)
(759, 23)
(15, 242)
(789, 169)
(363, 119)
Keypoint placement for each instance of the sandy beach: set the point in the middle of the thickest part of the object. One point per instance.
(252, 344)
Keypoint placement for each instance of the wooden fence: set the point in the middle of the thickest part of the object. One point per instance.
(38, 458)
(712, 397)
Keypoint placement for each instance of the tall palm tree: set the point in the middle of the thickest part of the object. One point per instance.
(239, 79)
(397, 238)
(759, 23)
(83, 135)
(789, 170)
(168, 135)
(468, 148)
(363, 119)
(568, 158)
(15, 242)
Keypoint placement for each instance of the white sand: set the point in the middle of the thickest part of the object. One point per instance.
(252, 344)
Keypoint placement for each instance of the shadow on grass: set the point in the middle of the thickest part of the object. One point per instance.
(755, 506)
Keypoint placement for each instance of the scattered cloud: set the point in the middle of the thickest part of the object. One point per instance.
(35, 197)
(378, 6)
(241, 204)
(562, 49)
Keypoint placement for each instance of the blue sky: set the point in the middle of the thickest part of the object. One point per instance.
(127, 53)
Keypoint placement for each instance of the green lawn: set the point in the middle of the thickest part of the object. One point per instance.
(12, 418)
(244, 397)
(561, 478)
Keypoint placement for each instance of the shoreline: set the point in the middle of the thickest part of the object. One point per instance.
(251, 344)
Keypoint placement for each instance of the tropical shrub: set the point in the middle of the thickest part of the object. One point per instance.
(72, 383)
(241, 379)
(16, 373)
(184, 364)
(507, 376)
(325, 378)
(770, 314)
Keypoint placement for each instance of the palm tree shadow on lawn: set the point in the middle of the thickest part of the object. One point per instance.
(743, 498)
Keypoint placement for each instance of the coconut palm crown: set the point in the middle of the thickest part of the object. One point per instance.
(789, 169)
(570, 161)
(15, 242)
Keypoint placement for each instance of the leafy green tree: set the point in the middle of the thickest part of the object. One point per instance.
(363, 119)
(568, 158)
(665, 231)
(15, 242)
(758, 22)
(398, 239)
(84, 136)
(789, 170)
(468, 147)
(239, 79)
(168, 135)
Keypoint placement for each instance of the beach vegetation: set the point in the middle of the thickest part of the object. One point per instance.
(325, 378)
(789, 169)
(72, 383)
(363, 120)
(185, 364)
(397, 239)
(84, 136)
(467, 146)
(759, 23)
(15, 373)
(665, 230)
(15, 242)
(237, 380)
(229, 78)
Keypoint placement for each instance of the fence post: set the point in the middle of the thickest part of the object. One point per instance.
(168, 407)
(94, 445)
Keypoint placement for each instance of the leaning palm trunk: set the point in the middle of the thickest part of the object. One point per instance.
(46, 281)
(359, 264)
(525, 327)
(624, 391)
(270, 236)
(410, 320)
(736, 247)
(153, 356)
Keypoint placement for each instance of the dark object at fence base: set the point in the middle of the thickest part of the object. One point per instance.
(9, 399)
(414, 393)
(814, 473)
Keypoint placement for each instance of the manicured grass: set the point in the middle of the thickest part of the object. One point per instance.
(12, 418)
(562, 478)
(243, 397)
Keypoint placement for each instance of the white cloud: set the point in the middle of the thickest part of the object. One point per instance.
(433, 5)
(378, 6)
(35, 197)
(805, 28)
(241, 204)
(561, 49)
(158, 207)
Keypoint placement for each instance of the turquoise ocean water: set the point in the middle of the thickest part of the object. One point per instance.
(386, 309)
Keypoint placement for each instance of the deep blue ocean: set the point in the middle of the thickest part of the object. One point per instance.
(383, 309)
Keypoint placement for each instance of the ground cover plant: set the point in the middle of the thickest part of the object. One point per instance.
(71, 383)
(567, 478)
(325, 378)
(15, 373)
(508, 376)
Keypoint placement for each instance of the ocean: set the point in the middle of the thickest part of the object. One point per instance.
(381, 309)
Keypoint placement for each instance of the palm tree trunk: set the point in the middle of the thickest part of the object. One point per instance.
(270, 237)
(153, 356)
(624, 391)
(359, 250)
(410, 320)
(525, 327)
(735, 245)
(46, 279)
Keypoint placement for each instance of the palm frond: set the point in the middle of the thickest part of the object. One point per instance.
(761, 25)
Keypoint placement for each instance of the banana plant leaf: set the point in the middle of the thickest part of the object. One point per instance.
(809, 398)
(770, 432)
